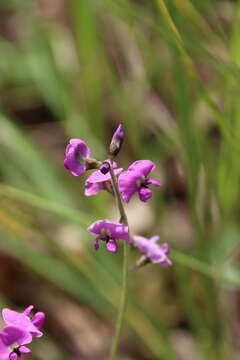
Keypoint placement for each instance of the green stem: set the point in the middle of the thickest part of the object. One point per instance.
(123, 301)
(123, 216)
(123, 304)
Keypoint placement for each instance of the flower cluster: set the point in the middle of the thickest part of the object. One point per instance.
(19, 331)
(127, 182)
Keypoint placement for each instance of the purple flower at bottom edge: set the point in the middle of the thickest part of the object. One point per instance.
(98, 181)
(12, 342)
(135, 179)
(76, 153)
(154, 252)
(109, 232)
(23, 321)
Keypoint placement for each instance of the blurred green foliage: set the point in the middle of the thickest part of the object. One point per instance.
(168, 70)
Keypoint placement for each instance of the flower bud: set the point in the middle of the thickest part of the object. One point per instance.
(104, 168)
(117, 141)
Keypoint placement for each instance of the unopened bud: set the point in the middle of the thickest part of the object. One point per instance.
(117, 141)
(105, 167)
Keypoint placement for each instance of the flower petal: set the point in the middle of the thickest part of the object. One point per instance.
(141, 242)
(76, 149)
(120, 231)
(155, 238)
(72, 165)
(13, 356)
(165, 248)
(4, 351)
(24, 349)
(111, 246)
(128, 185)
(36, 332)
(152, 182)
(97, 180)
(166, 262)
(96, 242)
(98, 176)
(157, 254)
(142, 166)
(92, 188)
(97, 226)
(144, 194)
(28, 310)
(15, 335)
(10, 316)
(38, 319)
(81, 146)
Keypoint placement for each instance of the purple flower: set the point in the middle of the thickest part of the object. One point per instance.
(153, 252)
(12, 342)
(98, 181)
(135, 180)
(117, 140)
(23, 321)
(76, 154)
(109, 232)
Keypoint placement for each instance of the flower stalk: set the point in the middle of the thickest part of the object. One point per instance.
(123, 184)
(123, 301)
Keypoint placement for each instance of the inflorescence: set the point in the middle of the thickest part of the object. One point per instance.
(135, 179)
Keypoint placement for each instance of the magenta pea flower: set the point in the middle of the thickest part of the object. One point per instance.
(109, 232)
(154, 252)
(99, 181)
(76, 154)
(12, 342)
(23, 321)
(135, 179)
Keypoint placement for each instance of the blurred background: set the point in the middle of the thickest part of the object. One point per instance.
(169, 70)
